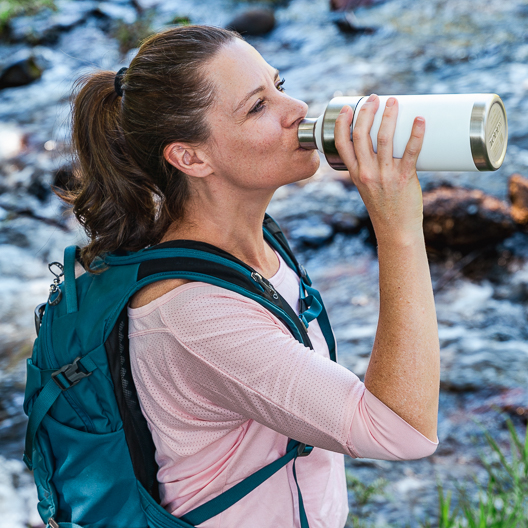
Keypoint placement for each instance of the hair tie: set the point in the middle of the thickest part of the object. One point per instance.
(117, 81)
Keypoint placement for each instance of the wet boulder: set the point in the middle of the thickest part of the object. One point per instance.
(46, 26)
(117, 12)
(19, 73)
(253, 22)
(349, 24)
(512, 401)
(345, 5)
(310, 232)
(462, 218)
(312, 213)
(347, 222)
(518, 191)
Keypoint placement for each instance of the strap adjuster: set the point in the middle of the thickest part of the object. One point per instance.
(304, 450)
(304, 275)
(69, 375)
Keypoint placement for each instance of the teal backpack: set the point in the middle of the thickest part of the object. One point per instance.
(87, 441)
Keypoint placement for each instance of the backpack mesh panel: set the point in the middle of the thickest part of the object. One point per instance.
(137, 434)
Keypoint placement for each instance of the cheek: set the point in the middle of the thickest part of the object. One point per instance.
(262, 137)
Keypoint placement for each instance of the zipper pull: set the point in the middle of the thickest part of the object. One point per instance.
(265, 284)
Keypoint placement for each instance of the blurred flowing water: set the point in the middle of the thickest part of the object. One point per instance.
(439, 46)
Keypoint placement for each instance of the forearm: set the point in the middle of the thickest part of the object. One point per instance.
(404, 368)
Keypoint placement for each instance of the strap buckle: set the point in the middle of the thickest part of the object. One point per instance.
(69, 375)
(304, 450)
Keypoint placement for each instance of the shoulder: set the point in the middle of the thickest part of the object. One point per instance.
(199, 310)
(198, 300)
(155, 290)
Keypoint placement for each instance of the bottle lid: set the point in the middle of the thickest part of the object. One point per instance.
(488, 133)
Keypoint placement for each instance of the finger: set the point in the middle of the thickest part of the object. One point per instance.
(361, 134)
(343, 144)
(386, 133)
(414, 145)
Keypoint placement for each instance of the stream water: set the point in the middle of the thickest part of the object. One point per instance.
(439, 46)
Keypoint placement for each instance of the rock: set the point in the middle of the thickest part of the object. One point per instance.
(20, 73)
(313, 213)
(345, 5)
(513, 401)
(253, 22)
(348, 23)
(311, 232)
(114, 11)
(488, 366)
(464, 218)
(46, 26)
(346, 222)
(39, 185)
(518, 190)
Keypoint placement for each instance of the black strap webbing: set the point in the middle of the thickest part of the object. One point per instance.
(137, 433)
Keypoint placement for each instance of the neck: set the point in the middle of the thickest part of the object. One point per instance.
(232, 222)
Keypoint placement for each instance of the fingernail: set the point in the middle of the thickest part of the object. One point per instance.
(344, 110)
(391, 101)
(371, 98)
(420, 120)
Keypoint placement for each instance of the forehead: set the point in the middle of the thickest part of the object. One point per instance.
(237, 69)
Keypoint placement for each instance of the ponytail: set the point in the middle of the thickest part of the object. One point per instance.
(126, 194)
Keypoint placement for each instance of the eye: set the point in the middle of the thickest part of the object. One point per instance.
(261, 103)
(258, 107)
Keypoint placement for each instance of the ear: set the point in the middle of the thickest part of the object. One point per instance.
(189, 159)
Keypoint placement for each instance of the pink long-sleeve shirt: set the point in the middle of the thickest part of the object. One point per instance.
(223, 385)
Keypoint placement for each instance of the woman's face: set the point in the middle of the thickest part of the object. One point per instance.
(254, 123)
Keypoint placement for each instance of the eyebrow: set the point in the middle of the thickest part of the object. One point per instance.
(251, 94)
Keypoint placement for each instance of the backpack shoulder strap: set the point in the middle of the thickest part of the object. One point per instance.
(198, 261)
(311, 303)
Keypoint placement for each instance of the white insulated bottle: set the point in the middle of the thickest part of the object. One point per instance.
(463, 132)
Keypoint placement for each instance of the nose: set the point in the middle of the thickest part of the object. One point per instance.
(294, 112)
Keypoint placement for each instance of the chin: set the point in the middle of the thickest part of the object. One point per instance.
(311, 166)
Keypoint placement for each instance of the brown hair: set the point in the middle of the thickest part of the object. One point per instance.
(126, 194)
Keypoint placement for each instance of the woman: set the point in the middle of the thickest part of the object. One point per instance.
(190, 142)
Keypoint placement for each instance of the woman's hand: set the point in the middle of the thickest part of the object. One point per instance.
(389, 186)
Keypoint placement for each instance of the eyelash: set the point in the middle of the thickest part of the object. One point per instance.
(260, 103)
